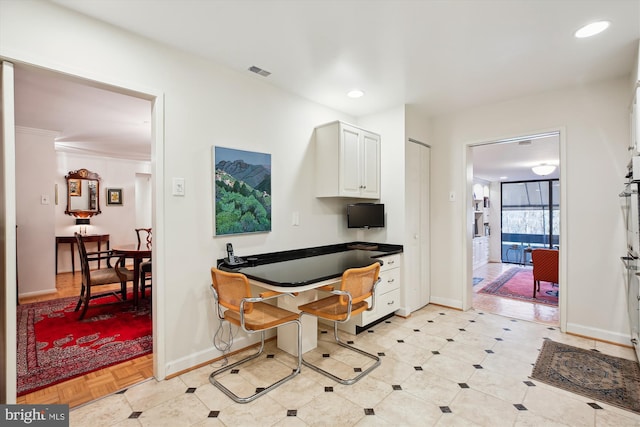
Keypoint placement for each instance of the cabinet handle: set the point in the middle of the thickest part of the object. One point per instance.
(391, 262)
(391, 280)
(391, 303)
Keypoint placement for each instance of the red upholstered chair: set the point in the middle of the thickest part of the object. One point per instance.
(545, 267)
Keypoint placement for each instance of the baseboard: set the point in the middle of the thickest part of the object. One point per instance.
(447, 302)
(37, 293)
(599, 334)
(209, 355)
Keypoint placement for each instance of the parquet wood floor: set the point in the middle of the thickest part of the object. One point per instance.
(94, 385)
(522, 310)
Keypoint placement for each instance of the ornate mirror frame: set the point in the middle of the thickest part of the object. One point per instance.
(83, 193)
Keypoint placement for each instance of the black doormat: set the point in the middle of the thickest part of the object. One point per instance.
(608, 379)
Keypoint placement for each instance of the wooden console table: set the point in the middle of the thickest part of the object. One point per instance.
(71, 240)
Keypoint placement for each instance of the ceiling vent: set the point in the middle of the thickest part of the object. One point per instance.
(260, 71)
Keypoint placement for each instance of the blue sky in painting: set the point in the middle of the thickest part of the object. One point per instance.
(250, 157)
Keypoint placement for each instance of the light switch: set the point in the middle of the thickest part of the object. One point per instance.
(178, 187)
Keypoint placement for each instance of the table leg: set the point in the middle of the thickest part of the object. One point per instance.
(136, 280)
(287, 334)
(73, 259)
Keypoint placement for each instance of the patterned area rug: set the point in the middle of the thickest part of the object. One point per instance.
(604, 378)
(53, 346)
(517, 283)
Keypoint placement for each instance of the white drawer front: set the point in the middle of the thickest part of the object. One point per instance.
(385, 304)
(389, 262)
(389, 280)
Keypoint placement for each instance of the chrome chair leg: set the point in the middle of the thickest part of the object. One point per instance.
(259, 391)
(347, 381)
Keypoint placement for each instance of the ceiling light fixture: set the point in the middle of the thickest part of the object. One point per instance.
(592, 29)
(543, 169)
(355, 93)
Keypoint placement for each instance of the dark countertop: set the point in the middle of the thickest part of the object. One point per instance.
(303, 267)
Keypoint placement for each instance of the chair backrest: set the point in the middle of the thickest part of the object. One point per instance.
(545, 265)
(144, 236)
(231, 288)
(359, 282)
(84, 261)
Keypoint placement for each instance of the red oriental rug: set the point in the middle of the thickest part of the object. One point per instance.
(53, 346)
(517, 283)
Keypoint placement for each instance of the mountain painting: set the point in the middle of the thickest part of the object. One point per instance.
(242, 191)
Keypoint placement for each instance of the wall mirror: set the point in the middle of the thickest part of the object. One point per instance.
(83, 193)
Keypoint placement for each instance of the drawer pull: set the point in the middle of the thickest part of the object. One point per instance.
(391, 280)
(391, 262)
(391, 303)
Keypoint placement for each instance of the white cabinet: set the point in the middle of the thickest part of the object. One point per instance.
(480, 251)
(347, 161)
(387, 296)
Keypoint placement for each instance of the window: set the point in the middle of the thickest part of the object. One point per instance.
(530, 218)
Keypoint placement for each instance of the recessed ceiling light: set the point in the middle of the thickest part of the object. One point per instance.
(592, 29)
(355, 93)
(504, 177)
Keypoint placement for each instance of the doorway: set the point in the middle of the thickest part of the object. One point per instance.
(154, 111)
(503, 169)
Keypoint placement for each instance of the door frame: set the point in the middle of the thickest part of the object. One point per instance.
(467, 288)
(156, 97)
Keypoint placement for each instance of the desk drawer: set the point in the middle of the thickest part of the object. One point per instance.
(385, 304)
(389, 280)
(389, 262)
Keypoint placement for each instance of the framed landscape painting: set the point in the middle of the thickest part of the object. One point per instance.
(242, 191)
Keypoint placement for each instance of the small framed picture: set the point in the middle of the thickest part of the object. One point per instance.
(75, 188)
(114, 196)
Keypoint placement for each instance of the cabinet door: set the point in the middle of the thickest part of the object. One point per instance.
(349, 161)
(370, 157)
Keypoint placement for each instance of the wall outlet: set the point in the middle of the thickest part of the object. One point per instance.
(44, 199)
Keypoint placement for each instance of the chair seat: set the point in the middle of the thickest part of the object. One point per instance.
(330, 308)
(106, 276)
(263, 316)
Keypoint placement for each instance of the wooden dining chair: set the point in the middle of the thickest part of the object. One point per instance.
(145, 239)
(112, 273)
(253, 314)
(349, 299)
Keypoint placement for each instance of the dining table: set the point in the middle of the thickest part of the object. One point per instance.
(137, 253)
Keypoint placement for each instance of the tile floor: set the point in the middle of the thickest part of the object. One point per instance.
(440, 367)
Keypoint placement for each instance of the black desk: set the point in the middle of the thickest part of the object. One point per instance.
(303, 271)
(299, 274)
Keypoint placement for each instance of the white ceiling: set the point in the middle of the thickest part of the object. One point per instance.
(441, 56)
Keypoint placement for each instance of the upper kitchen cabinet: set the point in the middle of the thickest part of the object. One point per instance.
(347, 161)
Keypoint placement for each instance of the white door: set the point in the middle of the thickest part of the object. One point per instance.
(7, 237)
(416, 254)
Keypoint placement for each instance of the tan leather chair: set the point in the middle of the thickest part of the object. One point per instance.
(349, 299)
(108, 275)
(545, 267)
(252, 314)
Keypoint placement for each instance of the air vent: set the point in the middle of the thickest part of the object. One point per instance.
(525, 142)
(260, 71)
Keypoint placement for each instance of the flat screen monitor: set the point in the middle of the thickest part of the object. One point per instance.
(365, 215)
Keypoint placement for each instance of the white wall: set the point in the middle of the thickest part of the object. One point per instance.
(119, 221)
(204, 105)
(35, 178)
(594, 121)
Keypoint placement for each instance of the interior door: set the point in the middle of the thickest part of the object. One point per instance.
(416, 254)
(7, 238)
